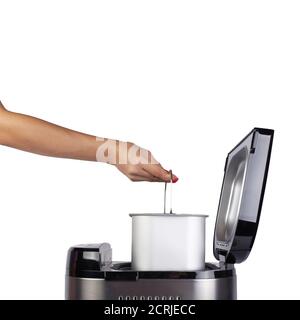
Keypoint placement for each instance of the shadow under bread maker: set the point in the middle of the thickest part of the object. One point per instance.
(92, 275)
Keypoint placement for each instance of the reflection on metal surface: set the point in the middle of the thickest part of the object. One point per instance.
(232, 194)
(154, 289)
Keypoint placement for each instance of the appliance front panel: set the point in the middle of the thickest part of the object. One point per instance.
(154, 289)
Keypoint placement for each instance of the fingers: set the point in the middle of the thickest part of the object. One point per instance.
(151, 173)
(148, 169)
(156, 170)
(159, 172)
(149, 176)
(143, 178)
(140, 174)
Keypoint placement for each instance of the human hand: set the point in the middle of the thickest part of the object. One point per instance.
(146, 172)
(134, 162)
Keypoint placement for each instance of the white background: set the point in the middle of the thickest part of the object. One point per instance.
(185, 79)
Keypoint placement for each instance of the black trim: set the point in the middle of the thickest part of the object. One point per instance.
(268, 132)
(271, 134)
(82, 264)
(111, 274)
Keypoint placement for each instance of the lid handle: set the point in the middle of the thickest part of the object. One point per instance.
(165, 194)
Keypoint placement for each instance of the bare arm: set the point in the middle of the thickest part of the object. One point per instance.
(38, 136)
(41, 137)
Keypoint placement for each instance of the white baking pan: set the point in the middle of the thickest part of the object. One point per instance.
(170, 242)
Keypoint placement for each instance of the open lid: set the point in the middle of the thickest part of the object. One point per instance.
(245, 176)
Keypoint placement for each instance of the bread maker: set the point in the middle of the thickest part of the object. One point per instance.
(92, 275)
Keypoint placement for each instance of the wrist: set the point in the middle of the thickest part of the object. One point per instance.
(107, 151)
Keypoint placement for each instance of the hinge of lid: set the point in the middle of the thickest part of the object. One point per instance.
(222, 260)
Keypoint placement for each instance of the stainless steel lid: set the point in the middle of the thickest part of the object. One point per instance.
(245, 176)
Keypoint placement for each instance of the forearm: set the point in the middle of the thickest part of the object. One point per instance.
(38, 136)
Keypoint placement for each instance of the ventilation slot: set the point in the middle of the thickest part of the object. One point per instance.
(149, 298)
